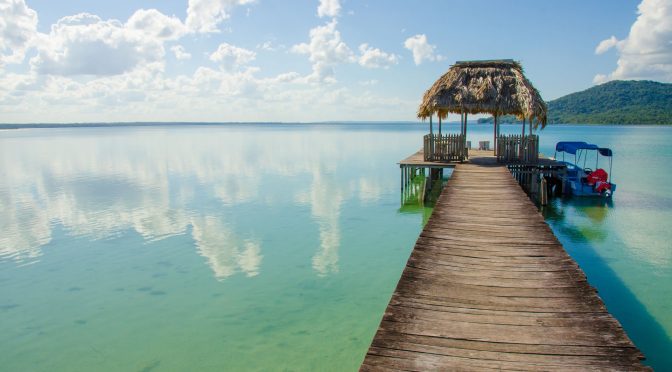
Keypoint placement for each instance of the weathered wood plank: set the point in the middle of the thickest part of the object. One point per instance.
(489, 286)
(425, 345)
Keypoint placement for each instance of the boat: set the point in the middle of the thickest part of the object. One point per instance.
(581, 180)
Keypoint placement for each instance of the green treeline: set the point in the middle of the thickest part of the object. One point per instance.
(615, 102)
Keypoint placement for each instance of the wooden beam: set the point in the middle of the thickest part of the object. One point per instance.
(494, 129)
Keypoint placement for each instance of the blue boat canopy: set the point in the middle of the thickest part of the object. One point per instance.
(605, 151)
(573, 147)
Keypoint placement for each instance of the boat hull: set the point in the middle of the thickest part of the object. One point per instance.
(574, 183)
(578, 188)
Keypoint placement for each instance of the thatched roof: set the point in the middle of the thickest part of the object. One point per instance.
(496, 87)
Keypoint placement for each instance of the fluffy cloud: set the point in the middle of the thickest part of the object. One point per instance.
(325, 50)
(231, 57)
(18, 25)
(180, 52)
(205, 15)
(86, 68)
(605, 45)
(208, 83)
(84, 44)
(329, 8)
(375, 58)
(156, 24)
(421, 49)
(647, 51)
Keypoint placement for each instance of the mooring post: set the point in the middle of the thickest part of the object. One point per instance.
(543, 192)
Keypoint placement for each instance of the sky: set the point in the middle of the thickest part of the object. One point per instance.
(303, 60)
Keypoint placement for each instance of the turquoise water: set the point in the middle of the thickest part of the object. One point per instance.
(625, 247)
(267, 247)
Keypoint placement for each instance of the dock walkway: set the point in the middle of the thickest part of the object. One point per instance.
(489, 286)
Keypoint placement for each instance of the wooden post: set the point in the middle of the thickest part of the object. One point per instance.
(464, 141)
(543, 192)
(494, 135)
(522, 142)
(431, 138)
(465, 126)
(439, 124)
(460, 146)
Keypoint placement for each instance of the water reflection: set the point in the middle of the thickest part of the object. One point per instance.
(325, 198)
(590, 212)
(103, 183)
(224, 251)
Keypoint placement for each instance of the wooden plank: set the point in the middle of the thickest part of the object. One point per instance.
(427, 345)
(489, 286)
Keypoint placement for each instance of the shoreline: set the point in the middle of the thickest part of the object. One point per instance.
(234, 123)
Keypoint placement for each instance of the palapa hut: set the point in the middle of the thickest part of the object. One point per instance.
(496, 87)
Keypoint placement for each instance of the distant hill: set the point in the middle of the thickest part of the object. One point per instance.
(615, 102)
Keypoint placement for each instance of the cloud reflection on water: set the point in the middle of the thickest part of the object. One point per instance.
(102, 183)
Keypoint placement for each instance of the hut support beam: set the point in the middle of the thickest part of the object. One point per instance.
(465, 126)
(494, 133)
(522, 141)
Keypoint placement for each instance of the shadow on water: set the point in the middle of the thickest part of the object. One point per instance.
(642, 328)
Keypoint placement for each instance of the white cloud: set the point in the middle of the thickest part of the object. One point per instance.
(325, 50)
(329, 8)
(600, 78)
(647, 51)
(231, 57)
(156, 24)
(180, 52)
(270, 46)
(18, 25)
(421, 49)
(266, 45)
(86, 68)
(375, 58)
(84, 44)
(605, 45)
(205, 15)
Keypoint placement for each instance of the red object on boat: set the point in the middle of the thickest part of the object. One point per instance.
(597, 176)
(602, 186)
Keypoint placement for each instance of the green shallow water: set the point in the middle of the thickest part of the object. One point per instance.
(266, 247)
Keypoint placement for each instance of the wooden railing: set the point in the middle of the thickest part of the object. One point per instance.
(445, 147)
(518, 149)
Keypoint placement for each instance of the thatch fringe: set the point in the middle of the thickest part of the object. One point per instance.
(496, 87)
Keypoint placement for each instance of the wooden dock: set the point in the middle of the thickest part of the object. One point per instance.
(488, 287)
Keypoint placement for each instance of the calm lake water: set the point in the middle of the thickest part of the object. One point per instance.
(268, 247)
